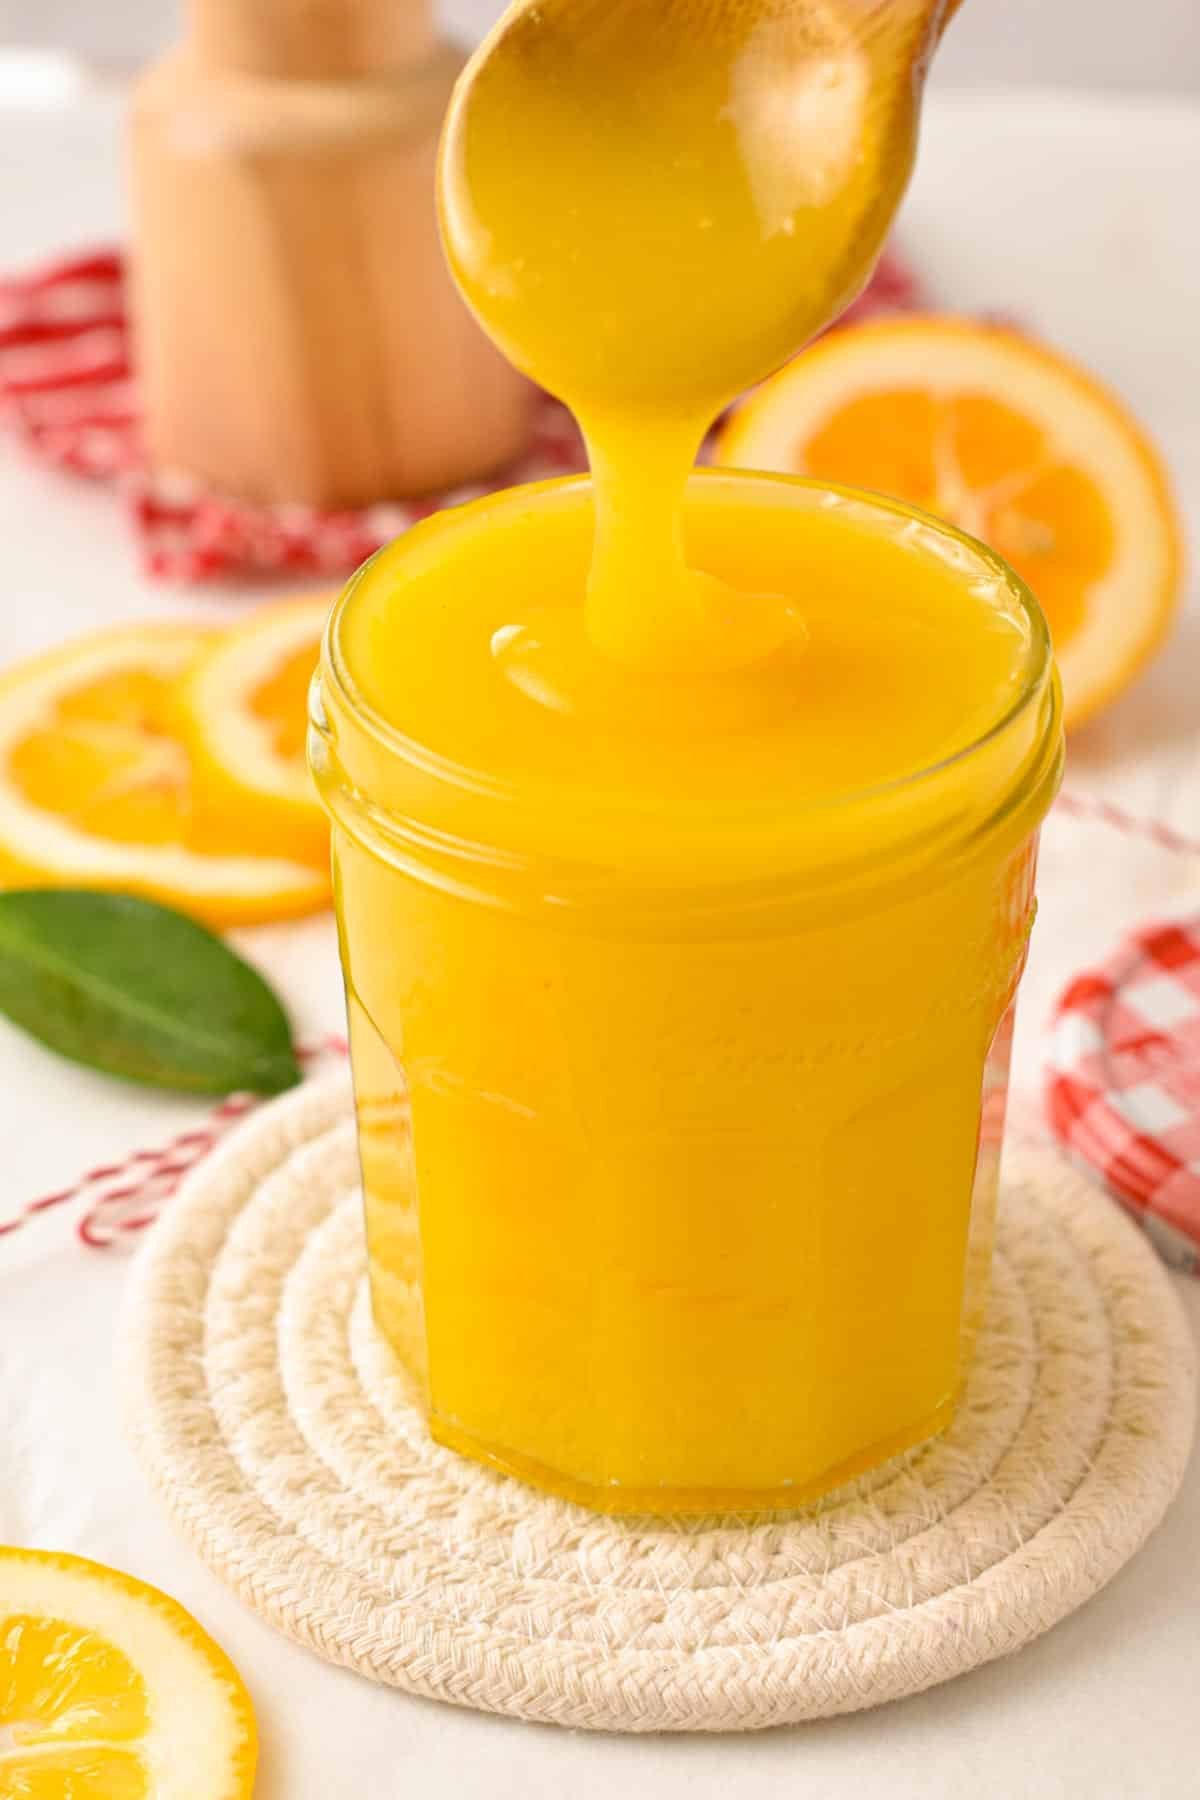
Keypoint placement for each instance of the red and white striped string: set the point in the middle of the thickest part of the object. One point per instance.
(1103, 812)
(122, 1198)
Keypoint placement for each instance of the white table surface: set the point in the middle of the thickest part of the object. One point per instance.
(1080, 217)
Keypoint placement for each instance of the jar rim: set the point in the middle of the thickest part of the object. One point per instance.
(1037, 672)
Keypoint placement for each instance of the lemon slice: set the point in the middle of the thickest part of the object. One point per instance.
(109, 1690)
(243, 711)
(1008, 440)
(98, 789)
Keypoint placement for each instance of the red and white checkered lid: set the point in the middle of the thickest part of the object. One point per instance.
(1123, 1083)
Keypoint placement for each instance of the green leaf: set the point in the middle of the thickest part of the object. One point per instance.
(140, 991)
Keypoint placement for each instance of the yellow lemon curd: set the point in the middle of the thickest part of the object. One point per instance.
(684, 822)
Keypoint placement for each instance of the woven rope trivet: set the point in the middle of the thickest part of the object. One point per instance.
(290, 1449)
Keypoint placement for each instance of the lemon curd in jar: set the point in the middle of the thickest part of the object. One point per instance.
(683, 823)
(672, 994)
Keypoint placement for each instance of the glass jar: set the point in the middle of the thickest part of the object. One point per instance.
(679, 1192)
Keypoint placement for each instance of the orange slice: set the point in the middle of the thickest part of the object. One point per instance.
(243, 709)
(111, 1691)
(97, 786)
(1007, 440)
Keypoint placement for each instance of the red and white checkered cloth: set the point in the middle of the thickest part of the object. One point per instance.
(1123, 1083)
(68, 386)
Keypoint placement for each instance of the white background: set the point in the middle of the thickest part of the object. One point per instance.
(1096, 43)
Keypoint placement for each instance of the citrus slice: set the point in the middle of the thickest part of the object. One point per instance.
(1007, 440)
(243, 710)
(97, 788)
(109, 1690)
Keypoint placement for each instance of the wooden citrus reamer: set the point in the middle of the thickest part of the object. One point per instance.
(298, 335)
